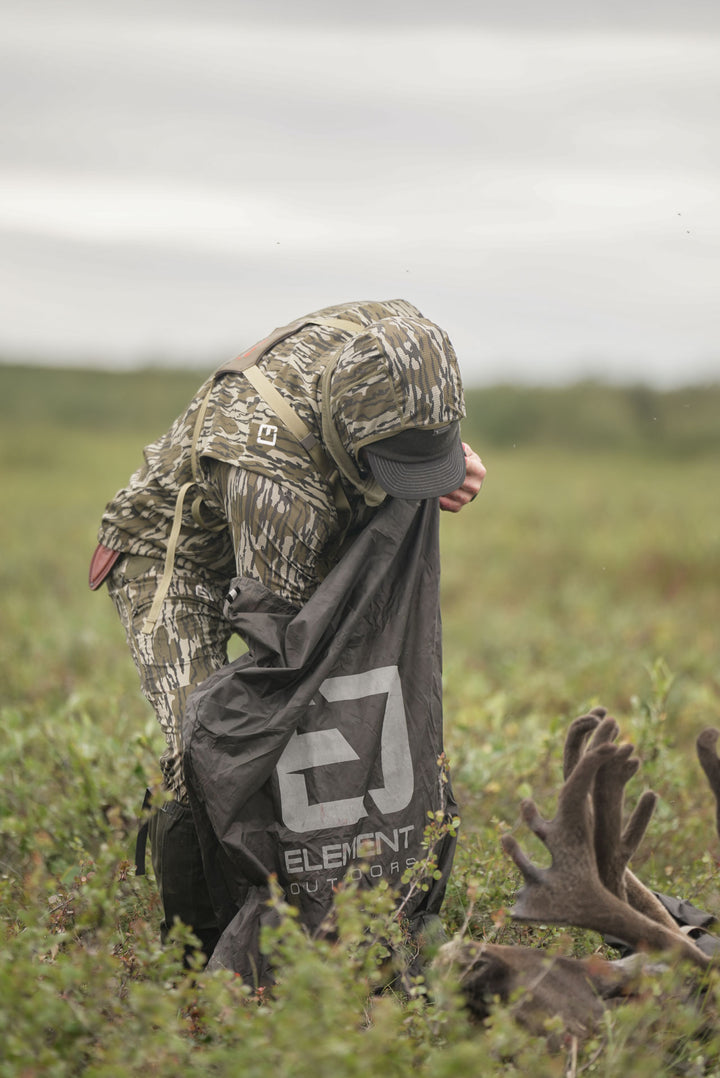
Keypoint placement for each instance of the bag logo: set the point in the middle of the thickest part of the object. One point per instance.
(319, 748)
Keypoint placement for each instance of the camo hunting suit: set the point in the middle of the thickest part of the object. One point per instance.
(259, 507)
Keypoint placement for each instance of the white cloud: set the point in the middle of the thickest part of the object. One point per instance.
(108, 209)
(556, 184)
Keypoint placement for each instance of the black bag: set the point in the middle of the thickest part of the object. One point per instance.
(315, 756)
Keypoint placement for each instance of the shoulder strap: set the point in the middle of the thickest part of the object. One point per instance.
(247, 364)
(164, 583)
(289, 417)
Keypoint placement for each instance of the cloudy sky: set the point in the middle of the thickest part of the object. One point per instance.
(542, 179)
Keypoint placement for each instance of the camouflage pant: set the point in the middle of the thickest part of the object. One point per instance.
(188, 643)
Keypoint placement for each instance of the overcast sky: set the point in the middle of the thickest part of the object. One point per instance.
(542, 179)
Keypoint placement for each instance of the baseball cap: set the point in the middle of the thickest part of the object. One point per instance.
(419, 462)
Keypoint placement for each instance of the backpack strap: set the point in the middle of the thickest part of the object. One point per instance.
(164, 582)
(289, 417)
(142, 834)
(263, 386)
(246, 364)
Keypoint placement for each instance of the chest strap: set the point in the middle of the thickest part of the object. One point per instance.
(245, 364)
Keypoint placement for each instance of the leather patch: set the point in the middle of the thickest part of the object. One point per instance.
(101, 563)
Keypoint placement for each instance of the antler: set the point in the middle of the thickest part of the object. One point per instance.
(614, 848)
(577, 736)
(587, 881)
(708, 757)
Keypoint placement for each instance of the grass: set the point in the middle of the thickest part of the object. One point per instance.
(588, 571)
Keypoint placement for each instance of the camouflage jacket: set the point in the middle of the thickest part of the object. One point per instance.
(267, 512)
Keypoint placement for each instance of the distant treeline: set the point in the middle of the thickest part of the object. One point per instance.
(584, 416)
(592, 415)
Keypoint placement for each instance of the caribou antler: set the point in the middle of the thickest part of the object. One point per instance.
(708, 757)
(614, 847)
(588, 884)
(587, 881)
(577, 737)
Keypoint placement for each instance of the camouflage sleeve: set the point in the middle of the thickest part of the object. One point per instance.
(280, 538)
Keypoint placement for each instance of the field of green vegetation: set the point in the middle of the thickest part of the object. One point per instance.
(587, 572)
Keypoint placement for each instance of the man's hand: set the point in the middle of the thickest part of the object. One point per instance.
(474, 475)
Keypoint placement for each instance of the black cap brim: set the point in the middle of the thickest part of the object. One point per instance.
(418, 479)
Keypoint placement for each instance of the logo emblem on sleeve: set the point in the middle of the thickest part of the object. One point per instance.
(267, 434)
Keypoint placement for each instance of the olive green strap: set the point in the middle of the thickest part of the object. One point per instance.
(164, 583)
(287, 414)
(289, 417)
(345, 324)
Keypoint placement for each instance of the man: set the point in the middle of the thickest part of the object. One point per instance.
(271, 472)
